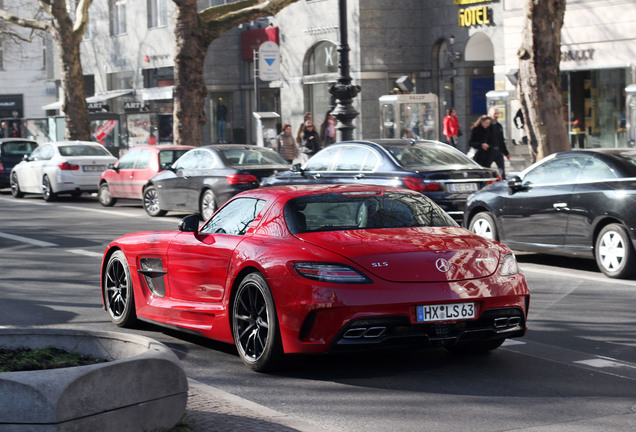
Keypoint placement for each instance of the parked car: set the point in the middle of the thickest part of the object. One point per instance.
(437, 170)
(576, 203)
(12, 152)
(63, 167)
(128, 176)
(315, 269)
(206, 177)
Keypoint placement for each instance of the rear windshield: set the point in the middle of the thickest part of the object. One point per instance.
(427, 155)
(17, 148)
(83, 150)
(170, 156)
(253, 156)
(352, 211)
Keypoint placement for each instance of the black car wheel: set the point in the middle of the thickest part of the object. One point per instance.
(475, 347)
(104, 196)
(614, 252)
(151, 202)
(254, 324)
(483, 224)
(207, 206)
(15, 186)
(47, 190)
(118, 291)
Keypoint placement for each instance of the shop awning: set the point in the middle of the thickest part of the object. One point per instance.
(53, 106)
(101, 97)
(156, 93)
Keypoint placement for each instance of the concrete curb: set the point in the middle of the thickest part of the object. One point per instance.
(141, 387)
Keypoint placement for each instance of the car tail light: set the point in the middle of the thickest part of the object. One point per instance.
(1, 168)
(334, 273)
(65, 166)
(238, 179)
(419, 185)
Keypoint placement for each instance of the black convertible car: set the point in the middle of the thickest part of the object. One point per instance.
(206, 177)
(437, 170)
(578, 203)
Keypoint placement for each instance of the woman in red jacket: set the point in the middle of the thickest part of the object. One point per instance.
(451, 127)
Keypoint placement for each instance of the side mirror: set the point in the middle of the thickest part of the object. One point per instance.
(297, 169)
(168, 166)
(515, 185)
(189, 224)
(113, 167)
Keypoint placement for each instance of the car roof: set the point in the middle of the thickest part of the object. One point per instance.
(3, 140)
(392, 142)
(236, 147)
(293, 191)
(66, 143)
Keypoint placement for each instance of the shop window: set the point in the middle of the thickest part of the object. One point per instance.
(117, 15)
(120, 80)
(222, 116)
(320, 71)
(157, 13)
(1, 56)
(158, 77)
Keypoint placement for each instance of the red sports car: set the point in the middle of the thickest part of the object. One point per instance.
(315, 269)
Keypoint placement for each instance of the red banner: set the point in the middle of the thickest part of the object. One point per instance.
(251, 40)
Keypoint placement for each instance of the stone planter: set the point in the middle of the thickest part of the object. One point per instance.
(141, 388)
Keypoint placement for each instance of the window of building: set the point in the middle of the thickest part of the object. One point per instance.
(1, 56)
(158, 77)
(320, 71)
(117, 13)
(157, 13)
(120, 80)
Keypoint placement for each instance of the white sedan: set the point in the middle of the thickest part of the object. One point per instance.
(54, 168)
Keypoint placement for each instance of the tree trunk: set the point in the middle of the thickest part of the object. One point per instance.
(192, 42)
(539, 84)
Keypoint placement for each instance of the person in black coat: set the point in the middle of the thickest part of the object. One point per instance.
(497, 142)
(310, 139)
(480, 141)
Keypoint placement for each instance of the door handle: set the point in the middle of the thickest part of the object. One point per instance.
(560, 206)
(317, 176)
(358, 176)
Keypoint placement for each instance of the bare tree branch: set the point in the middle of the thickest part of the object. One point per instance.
(26, 22)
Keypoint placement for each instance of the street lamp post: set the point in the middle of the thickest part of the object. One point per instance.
(344, 91)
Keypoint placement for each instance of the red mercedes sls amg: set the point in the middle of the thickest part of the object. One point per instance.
(315, 269)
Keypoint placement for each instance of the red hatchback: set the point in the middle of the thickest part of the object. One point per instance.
(315, 269)
(128, 176)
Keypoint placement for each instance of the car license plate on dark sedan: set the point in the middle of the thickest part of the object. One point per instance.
(445, 312)
(463, 187)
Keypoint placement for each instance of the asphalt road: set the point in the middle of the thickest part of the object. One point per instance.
(574, 371)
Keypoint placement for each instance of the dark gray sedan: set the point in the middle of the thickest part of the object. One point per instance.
(206, 177)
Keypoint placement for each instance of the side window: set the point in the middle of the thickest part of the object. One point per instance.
(143, 160)
(206, 160)
(596, 170)
(187, 161)
(127, 161)
(36, 155)
(47, 152)
(356, 158)
(322, 161)
(235, 218)
(560, 170)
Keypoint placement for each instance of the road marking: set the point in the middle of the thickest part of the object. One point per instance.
(537, 268)
(27, 240)
(603, 363)
(84, 252)
(511, 342)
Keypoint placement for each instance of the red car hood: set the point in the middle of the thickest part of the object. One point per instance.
(413, 254)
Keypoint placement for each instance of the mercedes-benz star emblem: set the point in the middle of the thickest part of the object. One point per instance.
(442, 265)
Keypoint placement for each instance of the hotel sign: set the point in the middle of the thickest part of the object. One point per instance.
(474, 16)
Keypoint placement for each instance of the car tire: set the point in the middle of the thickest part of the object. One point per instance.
(151, 202)
(614, 252)
(118, 291)
(104, 196)
(483, 224)
(15, 186)
(47, 190)
(207, 205)
(475, 347)
(255, 325)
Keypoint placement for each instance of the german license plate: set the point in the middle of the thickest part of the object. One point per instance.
(463, 187)
(445, 312)
(94, 168)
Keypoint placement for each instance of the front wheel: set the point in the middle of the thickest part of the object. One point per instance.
(255, 326)
(614, 252)
(47, 190)
(104, 196)
(151, 202)
(15, 186)
(483, 224)
(118, 291)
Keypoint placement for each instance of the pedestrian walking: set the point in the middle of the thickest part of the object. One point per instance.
(299, 134)
(497, 142)
(479, 141)
(451, 127)
(285, 144)
(328, 130)
(310, 140)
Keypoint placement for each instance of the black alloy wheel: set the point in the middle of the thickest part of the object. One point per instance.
(118, 291)
(255, 326)
(47, 190)
(151, 202)
(15, 186)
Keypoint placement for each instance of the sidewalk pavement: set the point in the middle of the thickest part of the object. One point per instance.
(212, 409)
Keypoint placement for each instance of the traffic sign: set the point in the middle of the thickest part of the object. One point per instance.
(269, 61)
